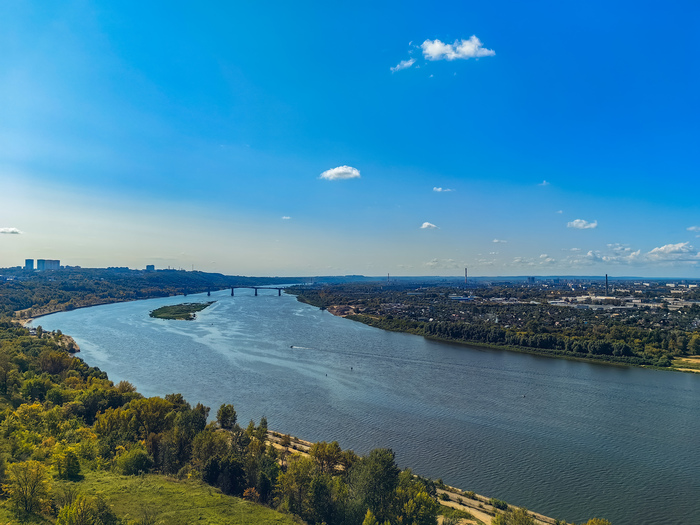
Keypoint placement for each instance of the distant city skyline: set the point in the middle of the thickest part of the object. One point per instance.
(314, 139)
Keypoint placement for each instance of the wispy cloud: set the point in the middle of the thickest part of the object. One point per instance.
(693, 228)
(341, 173)
(442, 190)
(444, 263)
(286, 218)
(543, 183)
(404, 64)
(461, 49)
(560, 212)
(580, 224)
(428, 226)
(11, 231)
(499, 241)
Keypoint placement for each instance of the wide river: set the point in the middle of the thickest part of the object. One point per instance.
(568, 439)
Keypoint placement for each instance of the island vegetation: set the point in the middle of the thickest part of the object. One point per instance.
(180, 312)
(75, 448)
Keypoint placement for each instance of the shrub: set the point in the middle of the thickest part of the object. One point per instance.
(133, 462)
(497, 503)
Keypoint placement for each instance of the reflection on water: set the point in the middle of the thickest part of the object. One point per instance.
(568, 439)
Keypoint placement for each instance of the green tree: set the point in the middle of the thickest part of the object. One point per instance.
(226, 416)
(68, 465)
(373, 481)
(326, 455)
(27, 486)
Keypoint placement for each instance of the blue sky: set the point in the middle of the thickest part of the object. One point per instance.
(189, 135)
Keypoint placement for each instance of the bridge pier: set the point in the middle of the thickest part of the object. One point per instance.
(279, 292)
(232, 291)
(256, 292)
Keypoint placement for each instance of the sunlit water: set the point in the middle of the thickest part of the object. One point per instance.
(568, 439)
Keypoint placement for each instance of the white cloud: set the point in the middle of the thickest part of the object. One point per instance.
(499, 241)
(472, 48)
(428, 226)
(681, 251)
(543, 183)
(560, 212)
(404, 64)
(13, 231)
(445, 264)
(580, 224)
(693, 228)
(340, 173)
(440, 190)
(286, 218)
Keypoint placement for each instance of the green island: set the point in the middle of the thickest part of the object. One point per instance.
(180, 312)
(76, 448)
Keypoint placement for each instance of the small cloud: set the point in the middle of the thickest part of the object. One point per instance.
(444, 263)
(499, 241)
(341, 173)
(286, 218)
(543, 183)
(428, 226)
(693, 228)
(404, 64)
(461, 49)
(11, 231)
(580, 224)
(560, 212)
(442, 190)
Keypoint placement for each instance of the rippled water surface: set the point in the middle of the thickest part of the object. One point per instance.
(570, 440)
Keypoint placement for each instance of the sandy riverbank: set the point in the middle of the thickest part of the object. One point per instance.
(475, 504)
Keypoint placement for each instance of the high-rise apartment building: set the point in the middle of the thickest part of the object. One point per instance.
(48, 264)
(29, 264)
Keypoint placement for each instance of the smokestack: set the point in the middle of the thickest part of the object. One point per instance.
(606, 285)
(465, 277)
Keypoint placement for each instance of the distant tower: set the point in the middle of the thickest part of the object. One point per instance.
(606, 285)
(29, 264)
(465, 277)
(387, 278)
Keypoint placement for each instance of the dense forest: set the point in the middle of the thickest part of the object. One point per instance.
(641, 336)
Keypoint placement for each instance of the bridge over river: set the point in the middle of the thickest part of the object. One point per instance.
(256, 288)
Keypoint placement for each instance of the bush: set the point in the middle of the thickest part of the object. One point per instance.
(133, 462)
(497, 503)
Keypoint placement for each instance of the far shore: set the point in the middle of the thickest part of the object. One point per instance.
(349, 311)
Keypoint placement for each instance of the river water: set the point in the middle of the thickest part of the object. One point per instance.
(568, 439)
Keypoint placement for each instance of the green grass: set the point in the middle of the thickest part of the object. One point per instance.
(171, 502)
(175, 502)
(184, 311)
